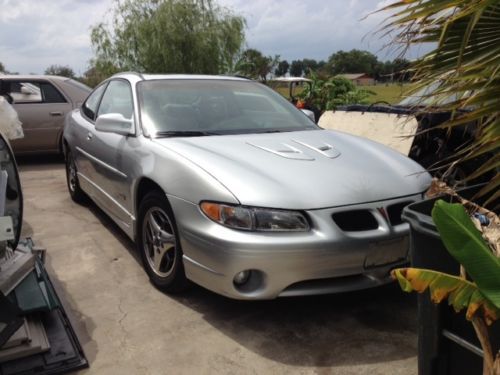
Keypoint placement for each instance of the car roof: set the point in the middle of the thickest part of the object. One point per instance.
(32, 76)
(150, 77)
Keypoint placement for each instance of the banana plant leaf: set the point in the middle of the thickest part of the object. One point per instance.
(465, 243)
(461, 294)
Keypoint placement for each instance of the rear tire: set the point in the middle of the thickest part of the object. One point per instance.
(75, 191)
(159, 245)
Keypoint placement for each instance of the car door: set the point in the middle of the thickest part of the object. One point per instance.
(41, 108)
(107, 155)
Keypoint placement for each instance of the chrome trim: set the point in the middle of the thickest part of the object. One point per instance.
(132, 218)
(100, 162)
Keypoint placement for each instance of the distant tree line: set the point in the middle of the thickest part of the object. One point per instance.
(253, 64)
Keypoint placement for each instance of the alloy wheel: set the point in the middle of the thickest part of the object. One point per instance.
(159, 241)
(72, 178)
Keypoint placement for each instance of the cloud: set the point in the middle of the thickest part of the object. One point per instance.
(37, 33)
(314, 28)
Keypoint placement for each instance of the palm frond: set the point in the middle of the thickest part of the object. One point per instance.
(465, 62)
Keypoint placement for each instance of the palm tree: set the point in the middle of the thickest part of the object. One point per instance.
(463, 68)
(460, 75)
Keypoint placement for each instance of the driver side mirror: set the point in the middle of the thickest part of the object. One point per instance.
(114, 123)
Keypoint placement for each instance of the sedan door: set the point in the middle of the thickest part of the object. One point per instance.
(41, 108)
(107, 157)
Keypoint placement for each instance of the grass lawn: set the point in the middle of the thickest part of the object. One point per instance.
(391, 93)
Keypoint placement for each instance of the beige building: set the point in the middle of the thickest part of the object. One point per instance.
(360, 79)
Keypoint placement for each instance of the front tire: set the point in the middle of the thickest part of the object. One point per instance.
(75, 191)
(159, 245)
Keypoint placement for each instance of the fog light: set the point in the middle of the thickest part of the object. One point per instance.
(241, 277)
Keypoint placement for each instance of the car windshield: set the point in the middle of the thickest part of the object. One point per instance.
(195, 107)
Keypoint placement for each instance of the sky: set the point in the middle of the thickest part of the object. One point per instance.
(35, 34)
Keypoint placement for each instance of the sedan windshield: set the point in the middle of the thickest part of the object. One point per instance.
(199, 107)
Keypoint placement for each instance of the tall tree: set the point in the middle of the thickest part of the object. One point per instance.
(169, 36)
(401, 68)
(2, 68)
(60, 70)
(353, 61)
(297, 68)
(254, 64)
(309, 65)
(97, 72)
(282, 68)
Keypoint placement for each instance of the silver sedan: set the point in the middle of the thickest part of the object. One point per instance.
(221, 181)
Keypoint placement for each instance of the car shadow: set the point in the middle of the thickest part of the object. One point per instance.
(38, 162)
(110, 225)
(371, 326)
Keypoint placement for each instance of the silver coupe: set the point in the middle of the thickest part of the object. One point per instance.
(221, 181)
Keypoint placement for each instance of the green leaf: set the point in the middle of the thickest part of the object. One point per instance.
(465, 61)
(465, 243)
(461, 294)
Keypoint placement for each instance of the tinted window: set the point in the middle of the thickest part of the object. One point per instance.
(34, 92)
(117, 99)
(89, 108)
(50, 94)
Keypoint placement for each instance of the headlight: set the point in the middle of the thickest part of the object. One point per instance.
(255, 219)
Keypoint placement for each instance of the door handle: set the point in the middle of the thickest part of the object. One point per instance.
(89, 136)
(56, 113)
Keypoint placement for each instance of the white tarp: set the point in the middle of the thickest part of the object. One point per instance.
(395, 131)
(10, 126)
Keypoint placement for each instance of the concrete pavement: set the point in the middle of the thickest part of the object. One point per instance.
(126, 326)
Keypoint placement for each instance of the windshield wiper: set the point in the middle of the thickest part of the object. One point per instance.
(183, 133)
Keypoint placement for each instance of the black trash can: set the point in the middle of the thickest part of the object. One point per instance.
(447, 344)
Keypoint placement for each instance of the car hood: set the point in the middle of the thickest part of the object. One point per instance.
(303, 170)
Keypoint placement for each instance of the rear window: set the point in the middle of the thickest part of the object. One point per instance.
(78, 85)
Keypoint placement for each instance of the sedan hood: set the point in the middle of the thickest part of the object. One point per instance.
(303, 170)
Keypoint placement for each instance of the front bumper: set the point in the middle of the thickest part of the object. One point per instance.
(324, 260)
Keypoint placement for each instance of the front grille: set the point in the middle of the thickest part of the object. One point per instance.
(355, 221)
(394, 212)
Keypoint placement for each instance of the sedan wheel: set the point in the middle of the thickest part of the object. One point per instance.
(159, 244)
(74, 189)
(158, 241)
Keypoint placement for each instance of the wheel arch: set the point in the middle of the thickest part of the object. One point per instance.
(142, 188)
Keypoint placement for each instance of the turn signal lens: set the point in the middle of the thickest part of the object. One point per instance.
(256, 219)
(212, 210)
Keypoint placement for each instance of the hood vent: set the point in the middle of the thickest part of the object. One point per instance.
(282, 149)
(323, 148)
(308, 151)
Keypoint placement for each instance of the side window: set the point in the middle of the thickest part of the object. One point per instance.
(117, 99)
(89, 108)
(25, 92)
(50, 94)
(34, 92)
